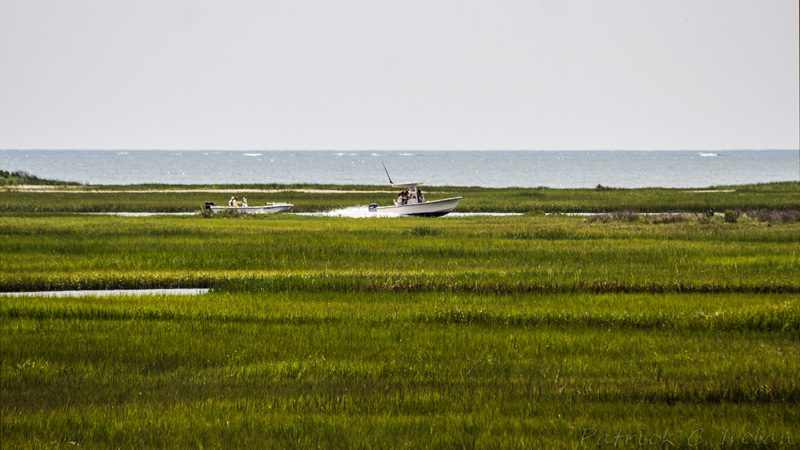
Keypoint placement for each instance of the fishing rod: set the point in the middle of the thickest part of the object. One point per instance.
(387, 173)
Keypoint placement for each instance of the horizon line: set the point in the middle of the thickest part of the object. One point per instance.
(400, 150)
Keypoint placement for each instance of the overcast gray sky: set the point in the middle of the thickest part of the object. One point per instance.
(406, 74)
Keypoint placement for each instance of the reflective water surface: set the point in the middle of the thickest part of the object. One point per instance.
(105, 293)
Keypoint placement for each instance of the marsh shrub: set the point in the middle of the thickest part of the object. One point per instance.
(774, 215)
(665, 218)
(625, 216)
(22, 177)
(619, 216)
(706, 216)
(605, 218)
(731, 216)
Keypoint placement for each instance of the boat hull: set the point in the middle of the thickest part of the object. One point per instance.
(264, 209)
(435, 208)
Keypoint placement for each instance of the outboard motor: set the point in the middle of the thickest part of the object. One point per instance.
(373, 207)
(209, 205)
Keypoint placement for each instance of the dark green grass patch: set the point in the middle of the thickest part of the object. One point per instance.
(743, 312)
(383, 370)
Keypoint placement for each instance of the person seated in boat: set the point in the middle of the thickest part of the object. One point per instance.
(402, 198)
(232, 201)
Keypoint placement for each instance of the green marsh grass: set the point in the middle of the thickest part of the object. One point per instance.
(479, 255)
(385, 370)
(465, 332)
(774, 197)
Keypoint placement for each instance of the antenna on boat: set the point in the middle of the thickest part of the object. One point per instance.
(387, 173)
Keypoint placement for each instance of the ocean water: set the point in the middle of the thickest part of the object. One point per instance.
(557, 169)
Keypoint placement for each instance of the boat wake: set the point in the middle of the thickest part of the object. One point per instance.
(356, 212)
(362, 212)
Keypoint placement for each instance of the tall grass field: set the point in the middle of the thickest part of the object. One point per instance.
(534, 331)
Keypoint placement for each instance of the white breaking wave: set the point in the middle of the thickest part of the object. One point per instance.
(708, 154)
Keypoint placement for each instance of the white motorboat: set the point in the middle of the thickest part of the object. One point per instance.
(263, 209)
(415, 204)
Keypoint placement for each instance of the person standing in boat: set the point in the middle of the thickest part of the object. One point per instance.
(420, 198)
(244, 201)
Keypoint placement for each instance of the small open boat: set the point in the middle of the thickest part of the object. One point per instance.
(415, 204)
(263, 209)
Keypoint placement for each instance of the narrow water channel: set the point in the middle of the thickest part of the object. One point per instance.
(107, 292)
